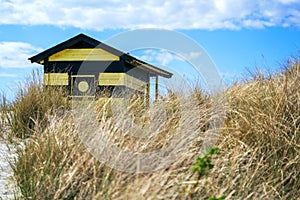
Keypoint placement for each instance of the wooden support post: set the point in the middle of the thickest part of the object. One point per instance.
(156, 87)
(147, 92)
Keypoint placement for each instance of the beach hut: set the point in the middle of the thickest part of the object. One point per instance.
(86, 67)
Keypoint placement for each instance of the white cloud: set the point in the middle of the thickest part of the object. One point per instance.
(184, 14)
(159, 57)
(288, 1)
(164, 57)
(16, 54)
(8, 75)
(190, 55)
(230, 77)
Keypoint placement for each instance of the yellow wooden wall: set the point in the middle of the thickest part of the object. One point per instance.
(121, 79)
(105, 79)
(56, 79)
(83, 55)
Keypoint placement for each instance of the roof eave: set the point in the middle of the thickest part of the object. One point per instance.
(81, 37)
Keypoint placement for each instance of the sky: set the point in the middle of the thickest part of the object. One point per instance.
(239, 36)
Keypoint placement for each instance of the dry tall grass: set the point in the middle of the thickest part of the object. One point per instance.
(32, 106)
(3, 109)
(259, 151)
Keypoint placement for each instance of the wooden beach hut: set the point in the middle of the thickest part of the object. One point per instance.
(86, 67)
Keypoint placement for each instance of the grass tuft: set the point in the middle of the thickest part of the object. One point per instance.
(32, 106)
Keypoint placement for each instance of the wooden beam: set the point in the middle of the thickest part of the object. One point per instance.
(151, 68)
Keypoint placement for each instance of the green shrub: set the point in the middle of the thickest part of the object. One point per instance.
(204, 163)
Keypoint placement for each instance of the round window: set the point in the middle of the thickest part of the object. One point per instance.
(83, 86)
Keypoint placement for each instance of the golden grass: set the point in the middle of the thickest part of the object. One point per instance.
(32, 106)
(259, 151)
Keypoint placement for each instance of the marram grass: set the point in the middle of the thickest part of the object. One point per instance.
(259, 151)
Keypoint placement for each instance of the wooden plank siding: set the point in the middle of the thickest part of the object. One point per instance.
(83, 55)
(56, 79)
(121, 79)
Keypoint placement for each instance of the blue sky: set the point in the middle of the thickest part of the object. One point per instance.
(238, 35)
